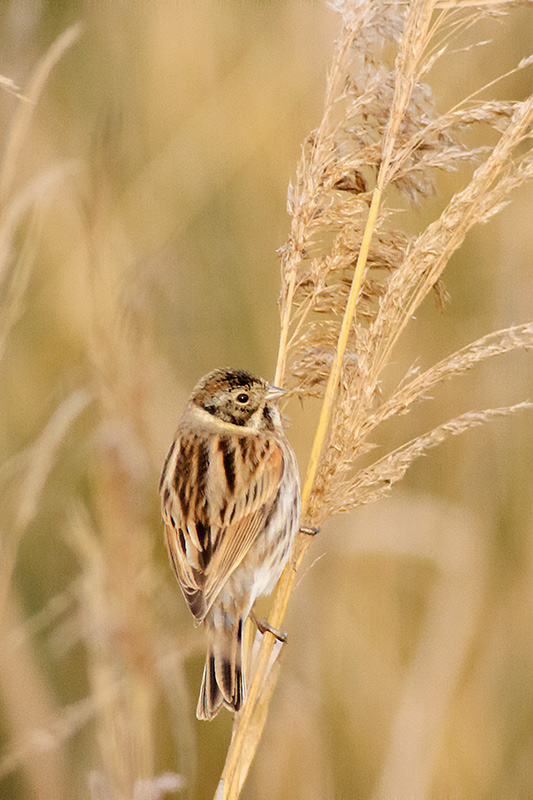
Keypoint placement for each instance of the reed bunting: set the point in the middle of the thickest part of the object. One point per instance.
(230, 499)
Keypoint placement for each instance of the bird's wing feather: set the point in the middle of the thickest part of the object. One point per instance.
(217, 495)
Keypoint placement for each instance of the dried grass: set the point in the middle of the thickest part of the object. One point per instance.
(352, 280)
(111, 609)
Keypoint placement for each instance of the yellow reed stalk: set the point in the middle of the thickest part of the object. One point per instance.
(234, 772)
(249, 724)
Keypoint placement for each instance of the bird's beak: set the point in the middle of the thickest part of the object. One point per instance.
(274, 392)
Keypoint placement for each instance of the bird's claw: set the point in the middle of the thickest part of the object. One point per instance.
(309, 531)
(263, 626)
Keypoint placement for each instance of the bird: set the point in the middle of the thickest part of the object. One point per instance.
(230, 500)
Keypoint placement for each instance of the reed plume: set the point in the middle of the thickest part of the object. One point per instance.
(352, 278)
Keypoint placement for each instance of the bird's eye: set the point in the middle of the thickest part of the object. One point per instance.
(242, 397)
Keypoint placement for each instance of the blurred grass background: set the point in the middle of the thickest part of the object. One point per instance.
(155, 171)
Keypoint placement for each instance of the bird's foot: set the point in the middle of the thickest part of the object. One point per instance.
(309, 531)
(263, 626)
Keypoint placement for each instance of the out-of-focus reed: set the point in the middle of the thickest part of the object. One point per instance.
(142, 199)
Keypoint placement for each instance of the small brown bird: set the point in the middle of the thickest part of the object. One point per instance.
(230, 499)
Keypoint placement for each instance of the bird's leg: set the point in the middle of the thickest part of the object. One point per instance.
(263, 626)
(309, 531)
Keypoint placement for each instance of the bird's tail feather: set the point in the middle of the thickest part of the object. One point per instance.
(223, 681)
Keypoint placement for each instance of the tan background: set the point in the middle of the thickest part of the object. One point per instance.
(162, 146)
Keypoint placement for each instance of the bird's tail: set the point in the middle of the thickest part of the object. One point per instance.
(223, 681)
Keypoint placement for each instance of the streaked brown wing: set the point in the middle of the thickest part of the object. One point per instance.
(217, 493)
